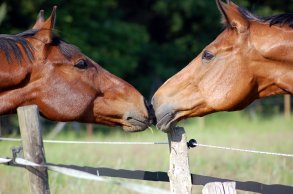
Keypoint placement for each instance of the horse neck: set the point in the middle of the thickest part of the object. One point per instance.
(13, 73)
(273, 67)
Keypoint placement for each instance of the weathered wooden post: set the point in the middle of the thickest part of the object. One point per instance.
(89, 130)
(287, 106)
(219, 188)
(179, 173)
(28, 117)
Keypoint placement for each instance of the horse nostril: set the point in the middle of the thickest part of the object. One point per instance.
(129, 118)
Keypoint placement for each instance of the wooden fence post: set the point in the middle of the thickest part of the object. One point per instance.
(28, 117)
(89, 130)
(219, 188)
(287, 106)
(179, 173)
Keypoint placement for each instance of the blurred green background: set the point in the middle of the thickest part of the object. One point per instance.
(145, 42)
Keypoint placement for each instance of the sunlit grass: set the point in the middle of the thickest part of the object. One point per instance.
(273, 134)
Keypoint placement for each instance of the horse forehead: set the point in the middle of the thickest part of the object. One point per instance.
(227, 37)
(98, 66)
(60, 53)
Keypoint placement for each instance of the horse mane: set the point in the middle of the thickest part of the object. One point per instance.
(279, 19)
(67, 50)
(11, 45)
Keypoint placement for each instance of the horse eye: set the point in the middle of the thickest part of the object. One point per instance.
(207, 55)
(81, 64)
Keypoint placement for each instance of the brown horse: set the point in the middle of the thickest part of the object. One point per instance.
(252, 58)
(37, 67)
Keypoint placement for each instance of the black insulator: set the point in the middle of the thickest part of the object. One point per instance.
(191, 143)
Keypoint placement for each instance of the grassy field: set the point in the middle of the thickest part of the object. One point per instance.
(273, 134)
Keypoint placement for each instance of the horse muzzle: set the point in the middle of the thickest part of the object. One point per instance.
(135, 122)
(165, 118)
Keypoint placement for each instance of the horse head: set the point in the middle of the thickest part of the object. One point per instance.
(66, 84)
(242, 64)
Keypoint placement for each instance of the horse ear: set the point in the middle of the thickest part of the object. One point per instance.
(46, 28)
(40, 20)
(232, 17)
(49, 24)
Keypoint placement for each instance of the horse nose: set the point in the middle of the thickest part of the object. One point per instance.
(164, 113)
(151, 111)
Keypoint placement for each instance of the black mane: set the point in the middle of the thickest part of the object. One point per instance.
(279, 19)
(67, 50)
(11, 46)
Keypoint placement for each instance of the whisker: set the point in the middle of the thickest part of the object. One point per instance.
(151, 129)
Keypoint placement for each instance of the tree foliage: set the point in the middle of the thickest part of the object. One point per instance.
(144, 41)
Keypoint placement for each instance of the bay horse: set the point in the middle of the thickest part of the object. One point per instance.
(38, 67)
(251, 59)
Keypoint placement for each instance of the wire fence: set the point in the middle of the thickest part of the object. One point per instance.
(97, 174)
(20, 162)
(157, 143)
(91, 173)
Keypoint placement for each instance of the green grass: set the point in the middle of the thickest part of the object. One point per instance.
(273, 134)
